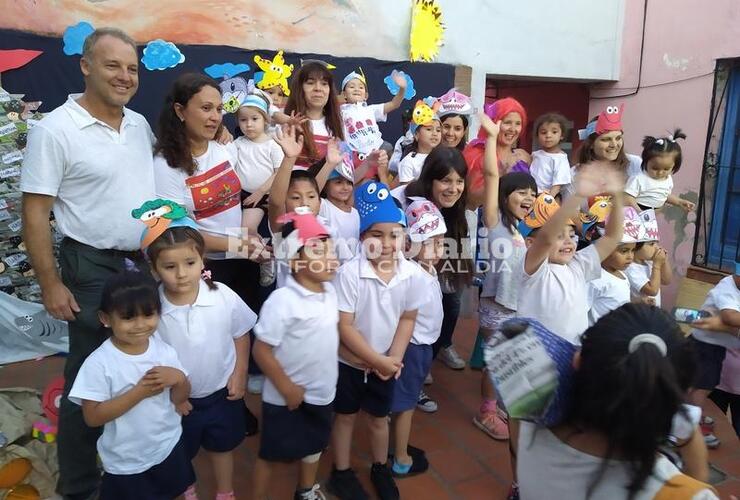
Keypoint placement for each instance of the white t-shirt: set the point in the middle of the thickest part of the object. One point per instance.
(146, 434)
(95, 173)
(556, 294)
(203, 335)
(430, 314)
(256, 161)
(410, 166)
(346, 226)
(302, 328)
(724, 295)
(505, 253)
(550, 169)
(638, 274)
(647, 191)
(377, 305)
(210, 195)
(606, 294)
(360, 124)
(399, 193)
(549, 468)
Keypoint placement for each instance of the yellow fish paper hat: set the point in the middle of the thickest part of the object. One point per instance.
(424, 113)
(543, 209)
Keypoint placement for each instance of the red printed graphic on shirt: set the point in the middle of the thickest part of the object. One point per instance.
(214, 191)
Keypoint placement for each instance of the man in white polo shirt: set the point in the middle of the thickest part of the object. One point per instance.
(90, 160)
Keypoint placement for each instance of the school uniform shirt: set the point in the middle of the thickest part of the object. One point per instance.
(647, 191)
(556, 294)
(203, 335)
(321, 136)
(210, 195)
(730, 378)
(410, 166)
(145, 435)
(377, 306)
(606, 294)
(638, 274)
(543, 459)
(724, 295)
(256, 161)
(506, 249)
(430, 314)
(550, 169)
(95, 173)
(346, 226)
(360, 124)
(302, 328)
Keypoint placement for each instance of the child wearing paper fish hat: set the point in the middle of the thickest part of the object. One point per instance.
(427, 131)
(651, 268)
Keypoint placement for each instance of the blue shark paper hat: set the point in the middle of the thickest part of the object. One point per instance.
(158, 216)
(375, 204)
(532, 370)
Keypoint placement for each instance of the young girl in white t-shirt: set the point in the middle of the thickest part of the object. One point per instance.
(207, 325)
(550, 166)
(258, 158)
(131, 385)
(427, 132)
(651, 268)
(653, 187)
(338, 211)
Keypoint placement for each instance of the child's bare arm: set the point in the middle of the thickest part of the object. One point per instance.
(730, 317)
(292, 393)
(666, 271)
(680, 202)
(490, 171)
(652, 287)
(353, 340)
(614, 228)
(292, 147)
(395, 103)
(631, 201)
(236, 384)
(333, 158)
(402, 337)
(555, 190)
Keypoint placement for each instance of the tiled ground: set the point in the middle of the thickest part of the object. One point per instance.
(465, 464)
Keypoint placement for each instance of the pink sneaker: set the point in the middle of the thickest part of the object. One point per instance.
(492, 421)
(190, 493)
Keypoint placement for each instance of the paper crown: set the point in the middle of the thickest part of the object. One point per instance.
(532, 370)
(608, 120)
(160, 215)
(453, 102)
(354, 75)
(302, 228)
(424, 220)
(274, 73)
(543, 209)
(375, 204)
(425, 112)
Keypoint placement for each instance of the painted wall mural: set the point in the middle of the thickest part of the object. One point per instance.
(287, 24)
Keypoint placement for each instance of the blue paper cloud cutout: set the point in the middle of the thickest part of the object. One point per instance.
(74, 37)
(226, 70)
(393, 88)
(160, 55)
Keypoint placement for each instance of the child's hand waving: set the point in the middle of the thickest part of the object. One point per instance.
(333, 154)
(399, 79)
(492, 128)
(597, 178)
(290, 140)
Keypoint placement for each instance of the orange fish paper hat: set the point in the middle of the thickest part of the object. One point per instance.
(542, 211)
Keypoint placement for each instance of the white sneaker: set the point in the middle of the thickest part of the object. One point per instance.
(425, 403)
(255, 383)
(428, 380)
(451, 358)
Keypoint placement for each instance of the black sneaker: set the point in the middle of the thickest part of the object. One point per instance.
(385, 486)
(344, 485)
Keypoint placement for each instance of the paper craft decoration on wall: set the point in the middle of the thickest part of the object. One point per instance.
(16, 58)
(427, 30)
(226, 70)
(74, 37)
(161, 55)
(393, 87)
(233, 93)
(274, 73)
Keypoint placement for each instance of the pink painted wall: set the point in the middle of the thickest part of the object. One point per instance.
(683, 40)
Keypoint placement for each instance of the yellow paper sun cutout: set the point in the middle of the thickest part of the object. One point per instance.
(427, 30)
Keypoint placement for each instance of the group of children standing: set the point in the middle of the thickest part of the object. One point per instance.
(359, 295)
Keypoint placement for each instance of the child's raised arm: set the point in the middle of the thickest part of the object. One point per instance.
(395, 103)
(333, 158)
(490, 171)
(292, 144)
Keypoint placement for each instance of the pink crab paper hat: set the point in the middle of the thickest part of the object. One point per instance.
(301, 228)
(608, 120)
(424, 220)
